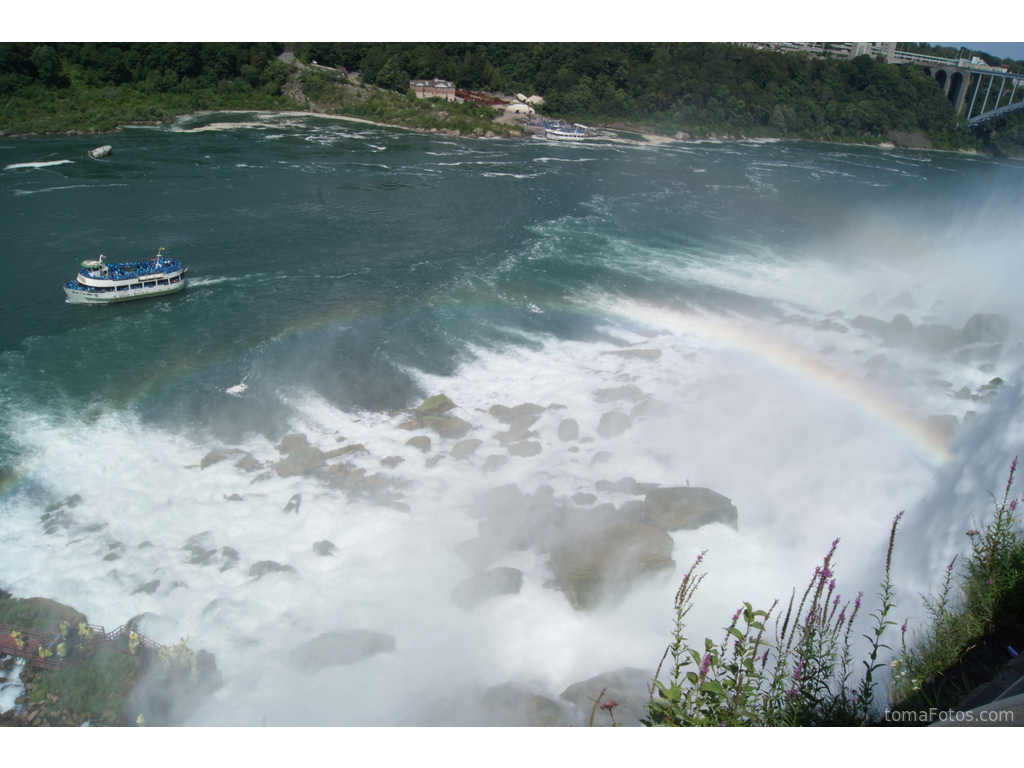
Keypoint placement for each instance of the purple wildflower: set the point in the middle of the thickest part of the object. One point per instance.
(764, 659)
(856, 603)
(903, 629)
(950, 566)
(736, 617)
(791, 694)
(798, 673)
(705, 665)
(1013, 505)
(989, 581)
(972, 532)
(609, 705)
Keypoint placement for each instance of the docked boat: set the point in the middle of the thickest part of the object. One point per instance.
(563, 132)
(100, 283)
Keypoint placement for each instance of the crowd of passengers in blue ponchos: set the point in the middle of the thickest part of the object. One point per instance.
(127, 270)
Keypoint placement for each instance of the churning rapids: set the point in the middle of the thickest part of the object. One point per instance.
(826, 335)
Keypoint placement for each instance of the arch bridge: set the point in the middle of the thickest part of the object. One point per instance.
(962, 81)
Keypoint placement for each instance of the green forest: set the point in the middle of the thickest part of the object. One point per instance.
(696, 88)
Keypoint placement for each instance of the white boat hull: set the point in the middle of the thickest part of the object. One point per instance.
(76, 296)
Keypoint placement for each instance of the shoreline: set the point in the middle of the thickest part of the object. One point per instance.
(646, 136)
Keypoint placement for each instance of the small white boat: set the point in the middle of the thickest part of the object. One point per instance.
(99, 152)
(99, 283)
(576, 132)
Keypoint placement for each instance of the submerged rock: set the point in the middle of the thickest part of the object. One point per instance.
(507, 415)
(451, 427)
(324, 548)
(354, 448)
(494, 462)
(986, 328)
(629, 686)
(303, 460)
(568, 430)
(626, 485)
(673, 509)
(613, 424)
(483, 586)
(627, 392)
(421, 442)
(650, 408)
(519, 429)
(70, 502)
(506, 705)
(248, 463)
(292, 442)
(645, 354)
(213, 457)
(525, 449)
(263, 567)
(604, 564)
(332, 649)
(465, 448)
(293, 504)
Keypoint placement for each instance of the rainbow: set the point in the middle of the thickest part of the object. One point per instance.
(893, 416)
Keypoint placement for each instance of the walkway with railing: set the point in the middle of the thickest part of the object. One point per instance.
(25, 643)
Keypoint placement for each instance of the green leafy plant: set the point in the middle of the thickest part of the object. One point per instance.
(802, 675)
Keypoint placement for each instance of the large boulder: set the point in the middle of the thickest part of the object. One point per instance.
(674, 509)
(477, 589)
(332, 649)
(447, 426)
(292, 442)
(506, 705)
(988, 328)
(507, 415)
(436, 405)
(604, 564)
(630, 687)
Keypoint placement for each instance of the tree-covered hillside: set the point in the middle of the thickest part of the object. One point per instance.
(699, 88)
(696, 88)
(55, 87)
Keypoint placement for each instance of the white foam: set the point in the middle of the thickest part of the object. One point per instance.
(42, 164)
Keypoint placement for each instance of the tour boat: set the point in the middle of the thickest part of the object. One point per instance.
(99, 152)
(576, 132)
(99, 283)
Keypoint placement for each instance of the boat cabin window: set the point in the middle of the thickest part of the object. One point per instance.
(122, 287)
